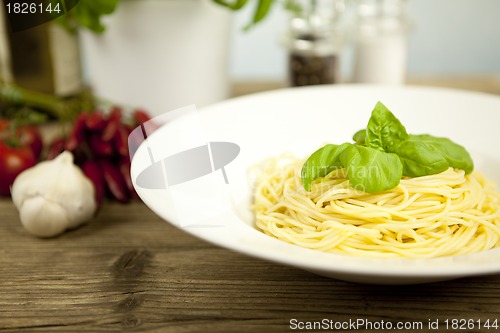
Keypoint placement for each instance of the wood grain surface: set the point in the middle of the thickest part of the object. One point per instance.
(128, 270)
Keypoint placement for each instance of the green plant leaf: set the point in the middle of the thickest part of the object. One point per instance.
(321, 162)
(384, 130)
(360, 137)
(233, 5)
(88, 14)
(87, 17)
(261, 12)
(420, 159)
(102, 7)
(293, 7)
(456, 155)
(383, 153)
(371, 170)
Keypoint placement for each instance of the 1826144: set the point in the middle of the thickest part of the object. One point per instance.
(13, 7)
(471, 324)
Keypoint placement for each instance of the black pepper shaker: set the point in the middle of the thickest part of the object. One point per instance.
(314, 43)
(308, 68)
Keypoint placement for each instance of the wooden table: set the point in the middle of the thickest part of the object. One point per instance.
(128, 270)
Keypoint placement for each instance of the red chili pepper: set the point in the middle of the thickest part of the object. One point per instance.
(115, 182)
(77, 134)
(141, 116)
(92, 170)
(99, 147)
(136, 137)
(125, 171)
(95, 121)
(113, 122)
(56, 147)
(120, 140)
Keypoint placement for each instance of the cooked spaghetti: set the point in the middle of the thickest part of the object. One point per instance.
(445, 214)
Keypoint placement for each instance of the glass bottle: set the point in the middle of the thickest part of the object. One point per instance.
(380, 41)
(314, 41)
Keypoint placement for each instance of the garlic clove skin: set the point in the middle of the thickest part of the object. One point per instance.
(53, 196)
(43, 218)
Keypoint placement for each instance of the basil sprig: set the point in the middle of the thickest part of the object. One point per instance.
(383, 153)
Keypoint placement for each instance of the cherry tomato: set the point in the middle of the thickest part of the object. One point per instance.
(24, 135)
(13, 160)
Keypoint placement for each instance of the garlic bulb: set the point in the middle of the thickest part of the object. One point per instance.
(53, 196)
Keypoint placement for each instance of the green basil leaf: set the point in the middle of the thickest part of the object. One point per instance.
(360, 137)
(420, 159)
(456, 155)
(383, 153)
(371, 170)
(320, 163)
(384, 130)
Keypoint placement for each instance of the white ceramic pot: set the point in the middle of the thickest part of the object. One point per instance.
(160, 54)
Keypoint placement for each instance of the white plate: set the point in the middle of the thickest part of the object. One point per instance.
(299, 121)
